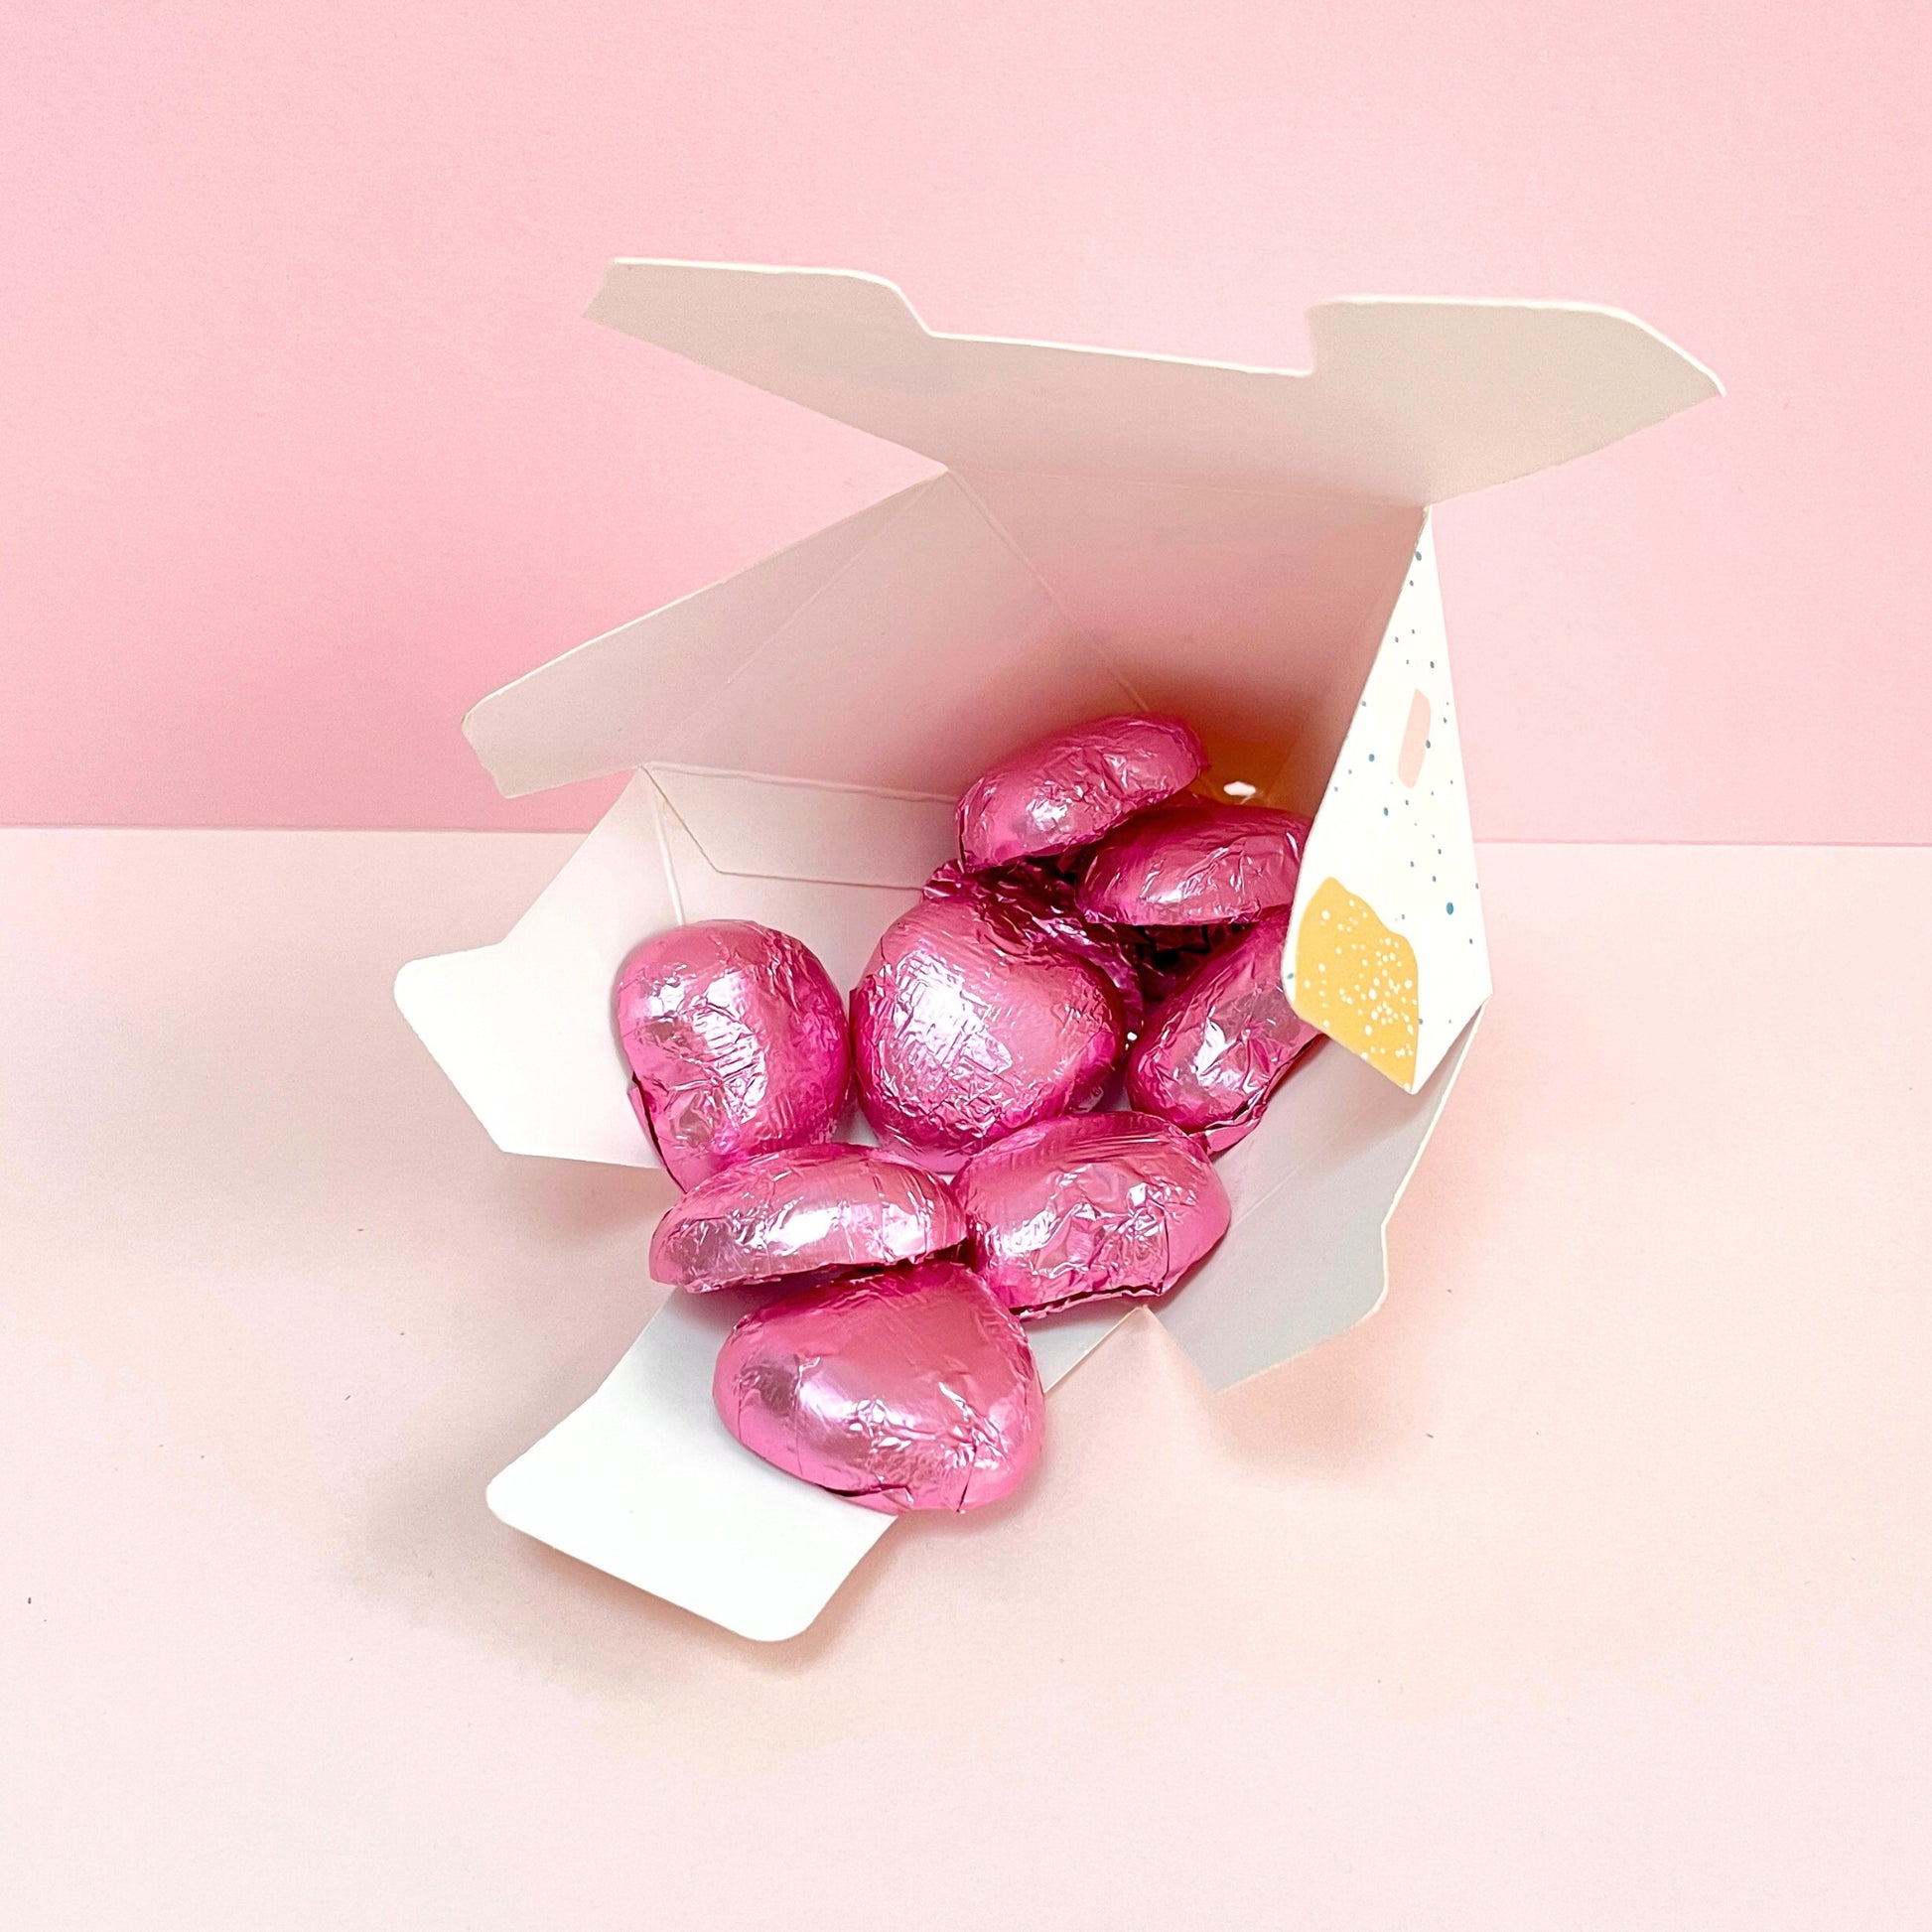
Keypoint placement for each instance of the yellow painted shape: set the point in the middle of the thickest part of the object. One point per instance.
(1356, 980)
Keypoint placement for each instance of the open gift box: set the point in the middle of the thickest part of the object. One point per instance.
(1246, 548)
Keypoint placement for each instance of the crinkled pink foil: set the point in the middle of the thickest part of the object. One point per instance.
(970, 1022)
(737, 1041)
(1090, 1206)
(1196, 863)
(1045, 898)
(907, 1390)
(1069, 788)
(801, 1209)
(1217, 1048)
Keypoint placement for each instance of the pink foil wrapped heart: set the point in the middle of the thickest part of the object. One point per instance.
(907, 1390)
(1045, 900)
(1089, 1206)
(1069, 788)
(738, 1042)
(970, 1022)
(1196, 863)
(1218, 1045)
(800, 1210)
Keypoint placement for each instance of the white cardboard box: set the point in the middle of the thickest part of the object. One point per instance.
(1248, 548)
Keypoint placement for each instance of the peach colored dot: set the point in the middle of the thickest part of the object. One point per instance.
(1415, 740)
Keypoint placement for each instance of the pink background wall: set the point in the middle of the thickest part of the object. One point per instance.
(306, 449)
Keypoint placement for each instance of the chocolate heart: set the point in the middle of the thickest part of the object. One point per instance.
(1069, 788)
(912, 1389)
(970, 1022)
(1196, 863)
(737, 1041)
(1089, 1206)
(1217, 1046)
(800, 1209)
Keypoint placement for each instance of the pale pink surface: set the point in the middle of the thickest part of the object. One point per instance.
(306, 448)
(1586, 1587)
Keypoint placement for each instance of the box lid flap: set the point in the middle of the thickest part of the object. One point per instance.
(1410, 401)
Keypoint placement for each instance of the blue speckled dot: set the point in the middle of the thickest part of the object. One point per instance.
(1449, 905)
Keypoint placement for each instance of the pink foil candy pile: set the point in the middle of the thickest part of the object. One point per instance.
(907, 1390)
(1218, 1045)
(970, 1022)
(1088, 1205)
(1071, 787)
(798, 1210)
(736, 1039)
(991, 1016)
(1196, 863)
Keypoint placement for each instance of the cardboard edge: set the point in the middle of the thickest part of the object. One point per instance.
(776, 1631)
(863, 301)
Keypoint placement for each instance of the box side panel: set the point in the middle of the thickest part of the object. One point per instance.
(619, 700)
(1254, 615)
(836, 835)
(1387, 951)
(523, 1028)
(935, 650)
(1312, 1189)
(840, 922)
(1409, 401)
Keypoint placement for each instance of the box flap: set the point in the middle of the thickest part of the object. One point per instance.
(1410, 401)
(1387, 953)
(644, 1481)
(899, 651)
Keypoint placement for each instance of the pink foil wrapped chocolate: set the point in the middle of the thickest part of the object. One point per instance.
(1089, 1206)
(909, 1390)
(1218, 1045)
(970, 1022)
(1071, 787)
(736, 1039)
(802, 1210)
(1196, 863)
(1045, 898)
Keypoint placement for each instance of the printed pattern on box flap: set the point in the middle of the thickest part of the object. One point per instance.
(1409, 401)
(1386, 951)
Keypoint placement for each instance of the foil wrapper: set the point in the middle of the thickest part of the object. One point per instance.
(1045, 900)
(1089, 1206)
(736, 1039)
(1218, 1045)
(1196, 863)
(909, 1390)
(1073, 787)
(970, 1022)
(1164, 956)
(799, 1212)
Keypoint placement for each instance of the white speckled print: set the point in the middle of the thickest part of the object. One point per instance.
(1393, 828)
